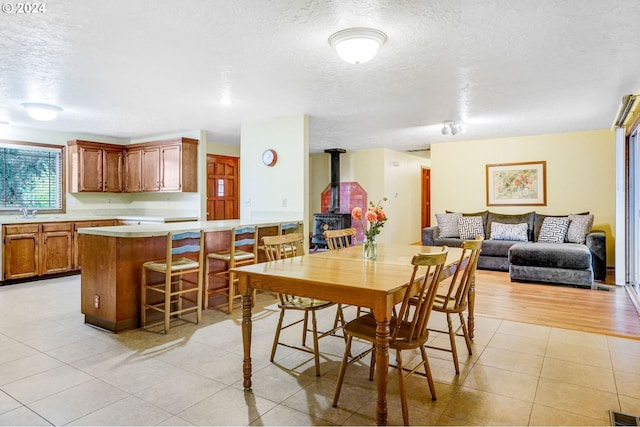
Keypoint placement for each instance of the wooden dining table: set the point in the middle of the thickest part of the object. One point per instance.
(345, 277)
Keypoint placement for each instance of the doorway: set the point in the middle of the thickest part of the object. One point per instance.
(222, 187)
(426, 198)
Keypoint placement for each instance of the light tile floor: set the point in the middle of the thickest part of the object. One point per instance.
(56, 370)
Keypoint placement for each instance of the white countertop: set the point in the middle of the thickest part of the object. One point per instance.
(161, 229)
(71, 218)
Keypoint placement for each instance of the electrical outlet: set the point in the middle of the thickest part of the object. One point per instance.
(96, 301)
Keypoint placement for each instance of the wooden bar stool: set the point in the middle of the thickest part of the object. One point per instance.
(243, 250)
(175, 268)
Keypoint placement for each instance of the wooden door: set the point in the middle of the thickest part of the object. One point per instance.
(90, 166)
(170, 168)
(426, 198)
(21, 251)
(222, 187)
(150, 169)
(112, 171)
(56, 248)
(133, 171)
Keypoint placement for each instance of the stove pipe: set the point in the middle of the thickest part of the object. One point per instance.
(335, 178)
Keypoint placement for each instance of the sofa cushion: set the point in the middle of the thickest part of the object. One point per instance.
(497, 248)
(483, 214)
(511, 219)
(470, 226)
(551, 255)
(579, 227)
(448, 224)
(554, 230)
(500, 231)
(537, 222)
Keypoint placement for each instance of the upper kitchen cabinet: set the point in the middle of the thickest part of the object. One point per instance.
(167, 165)
(95, 167)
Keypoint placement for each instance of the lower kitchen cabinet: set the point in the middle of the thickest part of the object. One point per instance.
(56, 246)
(20, 253)
(39, 249)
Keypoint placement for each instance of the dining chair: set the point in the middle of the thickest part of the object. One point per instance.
(338, 239)
(408, 329)
(243, 250)
(342, 238)
(453, 296)
(167, 296)
(280, 248)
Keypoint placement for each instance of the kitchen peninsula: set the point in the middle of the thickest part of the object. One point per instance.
(113, 257)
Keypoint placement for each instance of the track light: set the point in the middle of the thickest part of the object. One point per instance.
(453, 127)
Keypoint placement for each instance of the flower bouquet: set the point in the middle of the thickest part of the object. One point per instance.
(376, 218)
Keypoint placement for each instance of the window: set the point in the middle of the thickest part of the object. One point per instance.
(31, 176)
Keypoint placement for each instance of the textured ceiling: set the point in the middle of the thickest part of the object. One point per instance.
(138, 68)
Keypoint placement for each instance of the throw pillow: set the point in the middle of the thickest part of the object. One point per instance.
(579, 227)
(554, 229)
(517, 232)
(448, 224)
(470, 226)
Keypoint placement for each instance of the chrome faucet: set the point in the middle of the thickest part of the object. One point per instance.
(25, 212)
(34, 212)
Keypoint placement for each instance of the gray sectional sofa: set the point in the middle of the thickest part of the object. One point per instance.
(577, 264)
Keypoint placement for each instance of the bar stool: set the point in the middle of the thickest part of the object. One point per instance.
(174, 269)
(243, 250)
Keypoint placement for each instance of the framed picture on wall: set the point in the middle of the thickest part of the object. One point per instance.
(522, 184)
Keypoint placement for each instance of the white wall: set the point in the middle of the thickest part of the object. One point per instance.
(381, 173)
(280, 191)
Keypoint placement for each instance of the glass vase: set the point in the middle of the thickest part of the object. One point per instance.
(370, 248)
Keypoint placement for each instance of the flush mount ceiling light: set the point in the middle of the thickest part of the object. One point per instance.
(42, 111)
(453, 127)
(357, 45)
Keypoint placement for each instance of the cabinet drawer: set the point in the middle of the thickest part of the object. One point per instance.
(21, 229)
(87, 224)
(56, 226)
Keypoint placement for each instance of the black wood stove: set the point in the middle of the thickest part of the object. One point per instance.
(334, 219)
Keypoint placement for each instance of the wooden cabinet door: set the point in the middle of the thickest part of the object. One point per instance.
(112, 171)
(170, 168)
(77, 254)
(150, 169)
(90, 169)
(56, 248)
(133, 171)
(21, 251)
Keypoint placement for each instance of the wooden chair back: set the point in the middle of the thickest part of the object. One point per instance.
(456, 297)
(290, 227)
(244, 239)
(409, 329)
(283, 246)
(338, 239)
(179, 244)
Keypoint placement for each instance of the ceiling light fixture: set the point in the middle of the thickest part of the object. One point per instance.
(42, 112)
(357, 45)
(453, 127)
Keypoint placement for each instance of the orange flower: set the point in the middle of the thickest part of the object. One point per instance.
(356, 213)
(371, 216)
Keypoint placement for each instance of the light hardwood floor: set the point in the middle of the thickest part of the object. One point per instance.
(603, 312)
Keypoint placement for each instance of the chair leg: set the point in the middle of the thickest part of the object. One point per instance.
(199, 298)
(305, 328)
(167, 301)
(452, 339)
(343, 368)
(427, 371)
(277, 337)
(372, 365)
(403, 389)
(143, 298)
(316, 351)
(230, 293)
(205, 285)
(465, 331)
